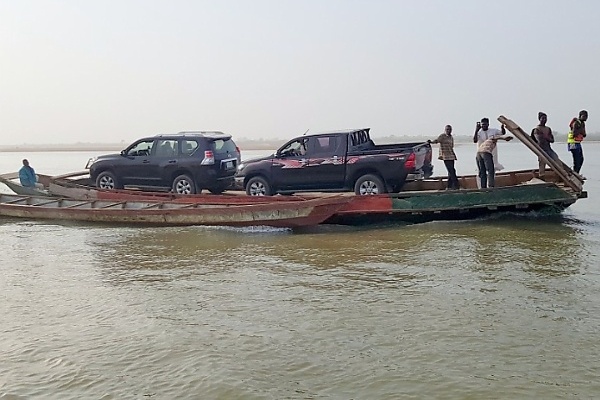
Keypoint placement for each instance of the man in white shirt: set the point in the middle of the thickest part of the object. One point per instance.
(484, 132)
(485, 162)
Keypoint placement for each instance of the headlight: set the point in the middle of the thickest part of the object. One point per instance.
(90, 162)
(240, 167)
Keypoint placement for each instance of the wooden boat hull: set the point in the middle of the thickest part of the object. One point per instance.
(453, 204)
(10, 180)
(61, 187)
(426, 200)
(283, 214)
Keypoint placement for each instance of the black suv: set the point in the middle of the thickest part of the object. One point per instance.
(185, 163)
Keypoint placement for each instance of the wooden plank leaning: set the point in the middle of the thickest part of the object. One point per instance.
(571, 178)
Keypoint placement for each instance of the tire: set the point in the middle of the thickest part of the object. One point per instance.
(108, 180)
(368, 185)
(183, 184)
(258, 186)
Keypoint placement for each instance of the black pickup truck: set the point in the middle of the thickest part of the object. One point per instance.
(336, 161)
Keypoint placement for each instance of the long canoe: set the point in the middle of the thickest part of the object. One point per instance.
(290, 214)
(420, 201)
(11, 181)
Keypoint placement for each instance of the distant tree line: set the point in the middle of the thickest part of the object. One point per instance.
(246, 143)
(271, 144)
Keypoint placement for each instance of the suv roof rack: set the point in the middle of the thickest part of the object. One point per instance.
(201, 132)
(207, 134)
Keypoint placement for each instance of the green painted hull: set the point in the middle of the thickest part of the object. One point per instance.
(454, 205)
(496, 197)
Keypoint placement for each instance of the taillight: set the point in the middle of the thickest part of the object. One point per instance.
(209, 158)
(410, 161)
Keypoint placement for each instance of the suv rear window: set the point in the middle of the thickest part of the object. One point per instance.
(220, 146)
(188, 147)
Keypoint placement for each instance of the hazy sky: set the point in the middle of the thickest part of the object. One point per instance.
(111, 71)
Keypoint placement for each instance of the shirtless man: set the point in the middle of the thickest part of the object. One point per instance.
(544, 137)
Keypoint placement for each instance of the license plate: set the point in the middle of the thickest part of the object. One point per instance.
(229, 165)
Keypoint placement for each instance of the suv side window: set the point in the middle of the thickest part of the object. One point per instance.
(166, 148)
(188, 147)
(143, 148)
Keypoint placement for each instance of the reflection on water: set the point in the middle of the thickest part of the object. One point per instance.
(396, 255)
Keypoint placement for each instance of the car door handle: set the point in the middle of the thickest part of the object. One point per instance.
(146, 162)
(172, 161)
(303, 161)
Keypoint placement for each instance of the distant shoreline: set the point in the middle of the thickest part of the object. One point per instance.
(42, 149)
(249, 145)
(96, 147)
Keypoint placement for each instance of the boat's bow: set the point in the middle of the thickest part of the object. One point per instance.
(11, 181)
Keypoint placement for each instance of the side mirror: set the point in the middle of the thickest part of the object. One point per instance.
(123, 152)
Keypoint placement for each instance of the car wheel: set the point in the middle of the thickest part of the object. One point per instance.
(183, 184)
(107, 180)
(369, 184)
(258, 186)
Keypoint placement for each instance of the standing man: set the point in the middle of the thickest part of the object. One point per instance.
(485, 161)
(575, 137)
(542, 134)
(447, 155)
(484, 132)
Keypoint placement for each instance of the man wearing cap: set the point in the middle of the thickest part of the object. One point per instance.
(575, 137)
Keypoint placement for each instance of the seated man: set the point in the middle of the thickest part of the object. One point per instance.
(165, 150)
(28, 177)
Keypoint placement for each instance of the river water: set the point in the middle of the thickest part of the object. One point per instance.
(496, 308)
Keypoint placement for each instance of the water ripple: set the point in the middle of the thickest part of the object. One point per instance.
(477, 309)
